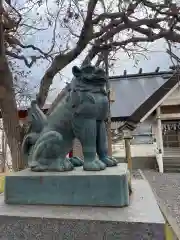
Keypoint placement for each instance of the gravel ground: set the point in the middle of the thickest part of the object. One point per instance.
(167, 188)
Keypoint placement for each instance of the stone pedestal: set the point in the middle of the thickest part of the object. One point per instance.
(76, 188)
(141, 220)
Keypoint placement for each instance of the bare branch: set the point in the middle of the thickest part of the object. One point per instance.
(171, 9)
(150, 37)
(15, 42)
(33, 27)
(21, 57)
(60, 61)
(131, 8)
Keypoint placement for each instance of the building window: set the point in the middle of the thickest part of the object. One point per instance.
(143, 134)
(171, 134)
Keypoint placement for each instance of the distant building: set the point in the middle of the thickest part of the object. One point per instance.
(151, 102)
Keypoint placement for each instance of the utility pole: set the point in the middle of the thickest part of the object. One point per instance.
(106, 53)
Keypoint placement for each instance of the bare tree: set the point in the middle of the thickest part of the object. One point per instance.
(8, 29)
(4, 148)
(7, 99)
(117, 25)
(72, 28)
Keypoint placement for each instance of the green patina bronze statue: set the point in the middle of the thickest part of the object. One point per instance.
(81, 114)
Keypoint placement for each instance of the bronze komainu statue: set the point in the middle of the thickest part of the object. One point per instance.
(81, 114)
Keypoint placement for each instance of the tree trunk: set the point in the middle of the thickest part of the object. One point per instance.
(10, 114)
(8, 105)
(4, 151)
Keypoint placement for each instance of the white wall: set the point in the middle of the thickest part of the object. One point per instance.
(173, 99)
(138, 150)
(141, 150)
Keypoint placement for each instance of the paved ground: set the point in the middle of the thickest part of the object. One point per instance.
(167, 189)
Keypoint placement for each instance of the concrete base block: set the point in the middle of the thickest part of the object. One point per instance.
(141, 220)
(76, 188)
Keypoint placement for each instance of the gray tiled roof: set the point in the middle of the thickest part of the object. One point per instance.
(131, 92)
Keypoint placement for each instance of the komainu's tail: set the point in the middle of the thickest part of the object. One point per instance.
(27, 146)
(36, 117)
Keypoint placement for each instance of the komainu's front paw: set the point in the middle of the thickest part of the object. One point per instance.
(39, 168)
(114, 160)
(109, 161)
(61, 166)
(95, 165)
(76, 162)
